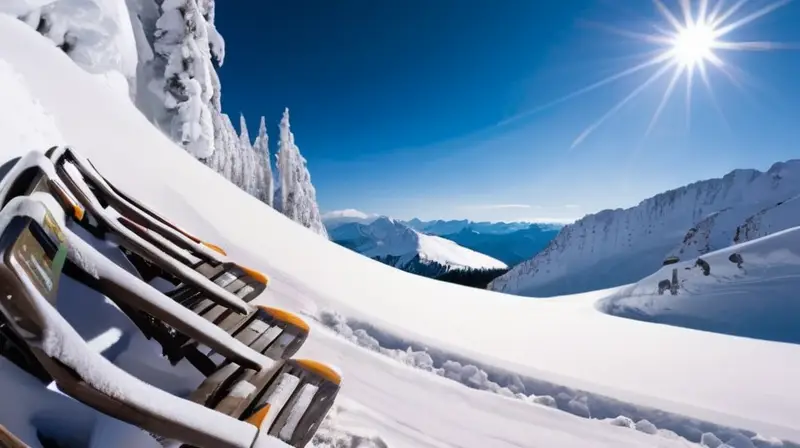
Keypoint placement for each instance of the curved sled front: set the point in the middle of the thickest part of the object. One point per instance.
(237, 406)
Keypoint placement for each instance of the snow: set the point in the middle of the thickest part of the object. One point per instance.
(63, 343)
(447, 252)
(692, 379)
(242, 389)
(38, 204)
(284, 386)
(756, 300)
(441, 227)
(616, 247)
(210, 287)
(305, 396)
(99, 33)
(15, 96)
(336, 218)
(393, 241)
(298, 197)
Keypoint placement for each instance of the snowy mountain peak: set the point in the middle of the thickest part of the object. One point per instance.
(614, 247)
(393, 242)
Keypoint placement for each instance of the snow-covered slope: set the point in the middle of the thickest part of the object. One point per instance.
(722, 301)
(736, 225)
(394, 243)
(510, 247)
(562, 348)
(615, 247)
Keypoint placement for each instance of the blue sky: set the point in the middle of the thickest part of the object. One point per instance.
(401, 108)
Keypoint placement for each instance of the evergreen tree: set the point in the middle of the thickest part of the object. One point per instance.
(298, 196)
(237, 161)
(265, 190)
(181, 40)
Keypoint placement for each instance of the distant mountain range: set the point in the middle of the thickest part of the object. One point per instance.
(512, 247)
(444, 228)
(508, 242)
(396, 244)
(615, 247)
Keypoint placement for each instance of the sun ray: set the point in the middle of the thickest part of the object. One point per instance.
(702, 11)
(676, 24)
(712, 16)
(659, 58)
(663, 39)
(653, 78)
(714, 102)
(688, 41)
(723, 67)
(719, 32)
(756, 46)
(728, 13)
(686, 9)
(667, 94)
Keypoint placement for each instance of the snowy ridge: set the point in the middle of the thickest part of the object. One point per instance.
(615, 247)
(748, 291)
(396, 244)
(783, 215)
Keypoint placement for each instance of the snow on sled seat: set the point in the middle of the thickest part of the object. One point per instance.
(284, 331)
(280, 333)
(133, 209)
(287, 331)
(100, 223)
(145, 222)
(9, 440)
(235, 407)
(133, 296)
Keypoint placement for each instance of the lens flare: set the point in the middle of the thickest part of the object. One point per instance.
(684, 47)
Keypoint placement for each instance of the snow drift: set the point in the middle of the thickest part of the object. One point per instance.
(750, 291)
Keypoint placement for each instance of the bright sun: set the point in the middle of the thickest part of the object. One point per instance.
(689, 43)
(693, 45)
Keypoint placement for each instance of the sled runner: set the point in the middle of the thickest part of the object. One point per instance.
(285, 332)
(132, 209)
(137, 217)
(245, 403)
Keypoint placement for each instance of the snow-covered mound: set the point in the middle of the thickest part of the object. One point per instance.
(698, 376)
(615, 247)
(750, 290)
(96, 34)
(396, 244)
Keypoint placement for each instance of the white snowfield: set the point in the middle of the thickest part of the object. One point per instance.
(751, 290)
(743, 383)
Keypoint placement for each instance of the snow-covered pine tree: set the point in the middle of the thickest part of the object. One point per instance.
(226, 141)
(245, 158)
(298, 196)
(265, 189)
(182, 43)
